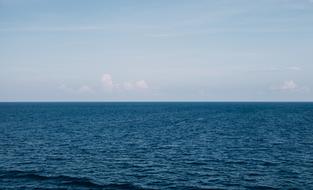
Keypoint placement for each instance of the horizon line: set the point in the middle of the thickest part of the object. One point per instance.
(160, 101)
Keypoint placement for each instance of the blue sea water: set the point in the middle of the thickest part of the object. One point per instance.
(156, 145)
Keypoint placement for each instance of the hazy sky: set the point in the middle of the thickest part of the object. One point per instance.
(202, 50)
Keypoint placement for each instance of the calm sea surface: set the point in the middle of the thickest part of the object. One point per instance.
(156, 145)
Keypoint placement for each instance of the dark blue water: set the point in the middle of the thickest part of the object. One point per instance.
(156, 145)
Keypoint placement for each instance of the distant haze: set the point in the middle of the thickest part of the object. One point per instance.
(163, 50)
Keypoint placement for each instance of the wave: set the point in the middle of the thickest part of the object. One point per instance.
(63, 180)
(261, 187)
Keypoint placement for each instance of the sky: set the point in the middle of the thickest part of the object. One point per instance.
(163, 50)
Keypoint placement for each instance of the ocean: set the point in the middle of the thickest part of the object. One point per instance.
(156, 145)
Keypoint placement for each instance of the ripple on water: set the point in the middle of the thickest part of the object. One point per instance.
(156, 145)
(61, 181)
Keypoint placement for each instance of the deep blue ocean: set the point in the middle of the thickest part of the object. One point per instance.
(156, 145)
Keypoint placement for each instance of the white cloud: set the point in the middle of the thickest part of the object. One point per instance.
(85, 89)
(288, 85)
(128, 86)
(107, 81)
(65, 88)
(142, 84)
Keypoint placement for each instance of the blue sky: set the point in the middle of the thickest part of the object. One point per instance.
(174, 50)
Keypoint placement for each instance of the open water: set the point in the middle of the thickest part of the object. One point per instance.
(156, 145)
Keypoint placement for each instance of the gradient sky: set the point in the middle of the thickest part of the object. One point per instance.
(195, 50)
